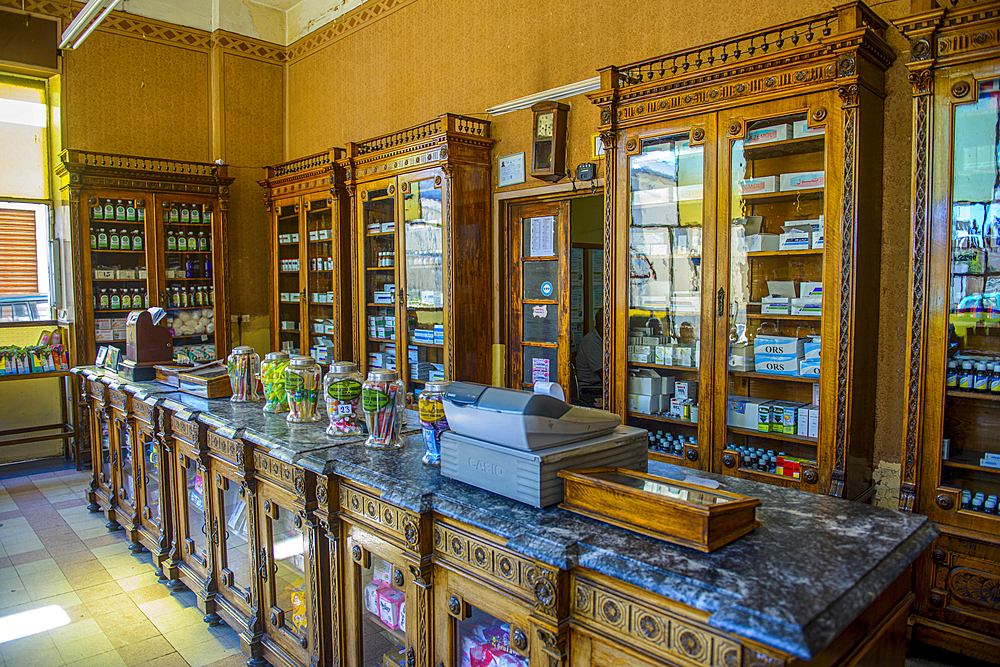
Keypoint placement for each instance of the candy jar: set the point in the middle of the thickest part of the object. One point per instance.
(244, 366)
(382, 403)
(302, 382)
(342, 392)
(272, 376)
(432, 419)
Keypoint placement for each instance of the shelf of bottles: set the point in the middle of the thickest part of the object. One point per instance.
(379, 225)
(118, 265)
(775, 297)
(424, 280)
(189, 290)
(971, 452)
(666, 181)
(319, 278)
(290, 288)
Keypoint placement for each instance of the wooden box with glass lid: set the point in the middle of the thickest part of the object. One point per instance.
(422, 221)
(950, 454)
(148, 232)
(311, 308)
(741, 272)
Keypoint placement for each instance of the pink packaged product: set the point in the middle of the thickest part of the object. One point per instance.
(382, 572)
(372, 591)
(389, 602)
(489, 646)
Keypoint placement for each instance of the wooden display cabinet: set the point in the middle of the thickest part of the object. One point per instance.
(330, 584)
(952, 413)
(151, 203)
(479, 585)
(311, 277)
(712, 151)
(124, 445)
(153, 455)
(194, 538)
(234, 536)
(386, 555)
(422, 225)
(289, 563)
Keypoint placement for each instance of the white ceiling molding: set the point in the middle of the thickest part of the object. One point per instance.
(562, 92)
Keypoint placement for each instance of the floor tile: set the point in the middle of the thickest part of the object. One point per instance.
(145, 651)
(148, 593)
(108, 659)
(20, 556)
(96, 595)
(41, 565)
(169, 660)
(205, 653)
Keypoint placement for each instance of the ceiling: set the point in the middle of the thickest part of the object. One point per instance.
(279, 4)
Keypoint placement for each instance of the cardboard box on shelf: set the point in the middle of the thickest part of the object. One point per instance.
(807, 306)
(802, 180)
(644, 404)
(776, 366)
(686, 389)
(809, 367)
(753, 186)
(801, 129)
(788, 345)
(769, 134)
(809, 289)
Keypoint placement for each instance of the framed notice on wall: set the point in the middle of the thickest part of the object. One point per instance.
(511, 169)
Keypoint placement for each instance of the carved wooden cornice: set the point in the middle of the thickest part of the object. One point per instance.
(952, 35)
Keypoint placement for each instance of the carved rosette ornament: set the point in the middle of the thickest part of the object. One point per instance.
(960, 89)
(920, 49)
(411, 533)
(735, 127)
(974, 587)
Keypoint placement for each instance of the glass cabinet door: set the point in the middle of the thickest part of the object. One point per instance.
(104, 438)
(423, 280)
(378, 231)
(775, 294)
(319, 272)
(234, 539)
(971, 452)
(151, 480)
(193, 509)
(666, 233)
(486, 640)
(126, 469)
(188, 278)
(383, 614)
(289, 284)
(288, 586)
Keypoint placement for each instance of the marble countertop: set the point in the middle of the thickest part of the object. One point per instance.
(793, 584)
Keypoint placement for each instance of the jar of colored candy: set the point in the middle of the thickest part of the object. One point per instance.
(432, 419)
(302, 383)
(342, 392)
(272, 376)
(382, 404)
(243, 365)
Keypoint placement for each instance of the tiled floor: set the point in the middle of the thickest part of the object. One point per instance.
(54, 552)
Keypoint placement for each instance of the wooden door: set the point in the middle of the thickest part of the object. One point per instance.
(378, 278)
(289, 286)
(538, 238)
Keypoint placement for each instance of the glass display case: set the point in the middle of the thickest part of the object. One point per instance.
(423, 225)
(143, 245)
(950, 456)
(668, 281)
(103, 487)
(750, 275)
(777, 210)
(311, 252)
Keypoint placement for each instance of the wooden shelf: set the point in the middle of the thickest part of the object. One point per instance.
(295, 272)
(974, 395)
(663, 457)
(440, 347)
(664, 420)
(186, 252)
(969, 461)
(396, 634)
(187, 279)
(784, 253)
(203, 225)
(766, 475)
(127, 252)
(288, 243)
(185, 307)
(119, 310)
(39, 376)
(382, 305)
(758, 316)
(769, 376)
(379, 233)
(372, 339)
(771, 435)
(774, 197)
(118, 280)
(290, 331)
(679, 369)
(381, 268)
(813, 144)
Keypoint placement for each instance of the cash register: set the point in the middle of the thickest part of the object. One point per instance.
(514, 443)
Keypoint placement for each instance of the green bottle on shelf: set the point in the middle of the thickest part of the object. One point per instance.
(114, 240)
(109, 210)
(171, 241)
(140, 214)
(175, 215)
(97, 213)
(137, 240)
(102, 239)
(93, 239)
(125, 240)
(185, 214)
(120, 211)
(195, 214)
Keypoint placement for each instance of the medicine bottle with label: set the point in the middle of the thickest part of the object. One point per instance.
(126, 240)
(951, 379)
(982, 381)
(109, 210)
(185, 214)
(967, 377)
(995, 379)
(120, 210)
(116, 300)
(171, 241)
(102, 239)
(114, 240)
(130, 211)
(93, 239)
(97, 212)
(137, 240)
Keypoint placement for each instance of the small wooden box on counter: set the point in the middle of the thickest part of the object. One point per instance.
(692, 516)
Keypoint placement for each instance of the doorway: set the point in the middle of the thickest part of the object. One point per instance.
(555, 286)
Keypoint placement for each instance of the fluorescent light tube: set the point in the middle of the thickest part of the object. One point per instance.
(84, 23)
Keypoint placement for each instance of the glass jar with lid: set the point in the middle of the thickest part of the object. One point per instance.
(342, 393)
(302, 383)
(243, 365)
(432, 419)
(272, 376)
(382, 404)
